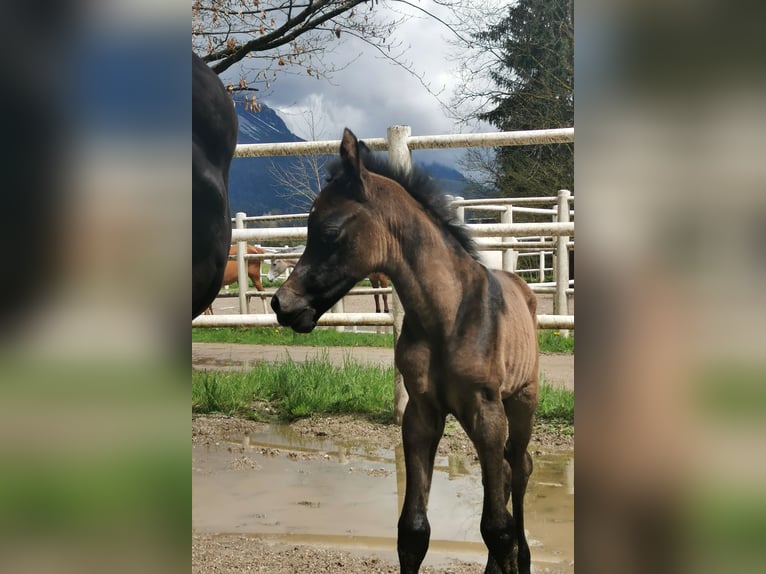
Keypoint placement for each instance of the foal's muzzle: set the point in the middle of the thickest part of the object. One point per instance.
(293, 311)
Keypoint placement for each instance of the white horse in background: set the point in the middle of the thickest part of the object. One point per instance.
(279, 266)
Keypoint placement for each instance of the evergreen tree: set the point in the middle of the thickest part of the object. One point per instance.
(535, 81)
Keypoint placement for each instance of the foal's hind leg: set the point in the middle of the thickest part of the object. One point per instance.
(520, 410)
(422, 428)
(486, 425)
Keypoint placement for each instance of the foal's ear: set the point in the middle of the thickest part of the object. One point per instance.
(351, 152)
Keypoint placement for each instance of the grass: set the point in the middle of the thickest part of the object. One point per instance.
(280, 336)
(550, 341)
(555, 405)
(290, 390)
(553, 342)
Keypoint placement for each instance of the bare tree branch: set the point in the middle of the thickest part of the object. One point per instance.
(298, 35)
(301, 183)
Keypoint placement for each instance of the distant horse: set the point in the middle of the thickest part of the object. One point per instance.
(230, 274)
(470, 350)
(377, 280)
(279, 266)
(214, 138)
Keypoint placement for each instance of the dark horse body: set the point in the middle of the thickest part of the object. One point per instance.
(470, 350)
(214, 138)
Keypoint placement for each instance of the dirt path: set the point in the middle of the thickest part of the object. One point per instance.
(558, 369)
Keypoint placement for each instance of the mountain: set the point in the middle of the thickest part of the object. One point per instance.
(253, 187)
(253, 184)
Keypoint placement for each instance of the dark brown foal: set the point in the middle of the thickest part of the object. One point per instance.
(470, 351)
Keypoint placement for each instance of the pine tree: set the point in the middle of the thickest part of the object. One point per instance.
(535, 82)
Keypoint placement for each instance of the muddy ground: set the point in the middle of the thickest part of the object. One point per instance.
(214, 552)
(222, 553)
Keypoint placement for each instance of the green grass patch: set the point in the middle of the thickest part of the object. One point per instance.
(553, 342)
(290, 390)
(550, 341)
(280, 336)
(555, 405)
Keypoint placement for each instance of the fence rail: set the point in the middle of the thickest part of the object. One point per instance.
(477, 229)
(529, 137)
(348, 320)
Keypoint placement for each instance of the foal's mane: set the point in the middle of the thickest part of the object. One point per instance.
(422, 188)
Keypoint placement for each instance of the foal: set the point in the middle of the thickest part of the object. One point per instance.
(470, 350)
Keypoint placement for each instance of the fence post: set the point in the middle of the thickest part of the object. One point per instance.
(509, 255)
(339, 308)
(398, 152)
(398, 157)
(542, 266)
(560, 306)
(400, 393)
(239, 222)
(460, 210)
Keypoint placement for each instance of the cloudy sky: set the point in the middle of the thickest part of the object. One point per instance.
(372, 94)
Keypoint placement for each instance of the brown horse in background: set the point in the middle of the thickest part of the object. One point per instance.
(379, 281)
(230, 274)
(470, 351)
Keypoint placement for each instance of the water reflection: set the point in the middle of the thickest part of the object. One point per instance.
(277, 483)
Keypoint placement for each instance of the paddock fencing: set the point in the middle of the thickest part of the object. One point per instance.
(512, 240)
(543, 240)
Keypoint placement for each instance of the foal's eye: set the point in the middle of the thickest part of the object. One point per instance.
(331, 233)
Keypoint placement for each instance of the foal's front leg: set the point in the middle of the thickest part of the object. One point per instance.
(422, 428)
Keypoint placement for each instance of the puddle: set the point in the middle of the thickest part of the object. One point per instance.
(281, 486)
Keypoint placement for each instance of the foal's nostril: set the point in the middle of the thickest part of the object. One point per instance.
(275, 303)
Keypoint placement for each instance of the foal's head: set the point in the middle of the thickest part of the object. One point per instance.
(346, 241)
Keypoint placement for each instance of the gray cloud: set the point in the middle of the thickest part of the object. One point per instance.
(371, 93)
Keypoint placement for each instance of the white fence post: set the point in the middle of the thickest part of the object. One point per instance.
(560, 306)
(242, 286)
(339, 308)
(400, 393)
(509, 255)
(460, 210)
(398, 152)
(398, 157)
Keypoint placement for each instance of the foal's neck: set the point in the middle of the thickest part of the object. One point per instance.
(429, 269)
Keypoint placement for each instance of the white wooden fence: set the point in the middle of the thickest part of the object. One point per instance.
(399, 144)
(510, 249)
